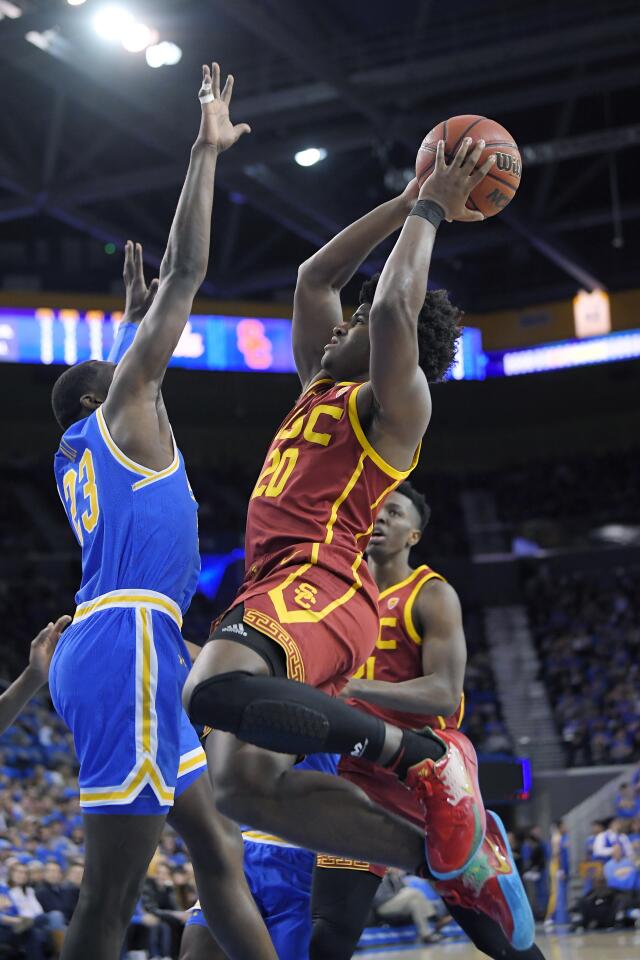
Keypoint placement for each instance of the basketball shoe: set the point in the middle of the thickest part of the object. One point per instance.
(491, 885)
(448, 790)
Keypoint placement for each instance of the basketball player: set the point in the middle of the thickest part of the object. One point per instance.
(117, 673)
(34, 676)
(414, 678)
(279, 875)
(307, 610)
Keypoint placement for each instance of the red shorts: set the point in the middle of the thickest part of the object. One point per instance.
(326, 623)
(384, 788)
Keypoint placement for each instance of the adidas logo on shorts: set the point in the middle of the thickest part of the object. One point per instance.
(235, 628)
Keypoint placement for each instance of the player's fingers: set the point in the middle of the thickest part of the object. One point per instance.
(463, 149)
(228, 89)
(215, 76)
(128, 258)
(482, 171)
(153, 287)
(138, 260)
(440, 163)
(469, 215)
(206, 75)
(240, 129)
(474, 156)
(59, 625)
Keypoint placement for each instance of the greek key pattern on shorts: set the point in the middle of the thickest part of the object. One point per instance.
(271, 628)
(340, 863)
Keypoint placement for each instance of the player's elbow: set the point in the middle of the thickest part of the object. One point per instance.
(393, 308)
(184, 273)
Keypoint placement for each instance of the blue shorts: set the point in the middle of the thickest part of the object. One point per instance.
(116, 680)
(279, 878)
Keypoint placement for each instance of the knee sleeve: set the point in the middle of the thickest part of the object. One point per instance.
(285, 716)
(246, 706)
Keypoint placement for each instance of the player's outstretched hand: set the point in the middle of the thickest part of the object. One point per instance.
(43, 646)
(138, 296)
(216, 129)
(450, 184)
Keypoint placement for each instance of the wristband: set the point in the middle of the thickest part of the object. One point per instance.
(428, 210)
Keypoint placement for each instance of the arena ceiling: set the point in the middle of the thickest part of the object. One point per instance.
(93, 143)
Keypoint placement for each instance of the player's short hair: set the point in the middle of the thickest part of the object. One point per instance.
(439, 326)
(69, 388)
(418, 500)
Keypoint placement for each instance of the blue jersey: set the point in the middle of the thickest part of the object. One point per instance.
(137, 527)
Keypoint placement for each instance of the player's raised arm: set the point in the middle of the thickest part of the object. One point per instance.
(400, 388)
(438, 618)
(316, 305)
(186, 258)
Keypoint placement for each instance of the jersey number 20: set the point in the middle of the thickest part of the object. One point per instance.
(86, 477)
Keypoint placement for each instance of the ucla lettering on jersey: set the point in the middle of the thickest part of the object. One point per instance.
(137, 527)
(117, 673)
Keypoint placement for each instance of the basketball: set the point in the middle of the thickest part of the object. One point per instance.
(499, 186)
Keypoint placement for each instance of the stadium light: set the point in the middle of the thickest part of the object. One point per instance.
(76, 3)
(307, 158)
(9, 10)
(138, 37)
(113, 22)
(163, 54)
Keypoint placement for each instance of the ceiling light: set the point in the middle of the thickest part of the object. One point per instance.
(138, 37)
(163, 54)
(75, 3)
(113, 22)
(307, 158)
(9, 10)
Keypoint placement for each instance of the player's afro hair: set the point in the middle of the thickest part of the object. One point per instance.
(70, 387)
(438, 329)
(417, 499)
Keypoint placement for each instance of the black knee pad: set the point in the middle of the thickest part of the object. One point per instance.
(246, 706)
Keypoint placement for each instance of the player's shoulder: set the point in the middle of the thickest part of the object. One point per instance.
(436, 596)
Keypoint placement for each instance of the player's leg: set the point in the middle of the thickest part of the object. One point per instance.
(198, 944)
(486, 935)
(216, 851)
(313, 810)
(118, 850)
(232, 687)
(340, 904)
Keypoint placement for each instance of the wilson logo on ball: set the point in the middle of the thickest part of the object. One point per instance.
(508, 164)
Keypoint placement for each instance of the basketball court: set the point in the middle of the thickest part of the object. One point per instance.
(593, 946)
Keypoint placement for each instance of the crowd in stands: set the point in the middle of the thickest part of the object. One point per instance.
(42, 848)
(610, 869)
(587, 631)
(563, 501)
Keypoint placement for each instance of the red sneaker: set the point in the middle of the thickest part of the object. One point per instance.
(448, 790)
(492, 886)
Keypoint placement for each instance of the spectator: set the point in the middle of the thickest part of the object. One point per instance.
(596, 827)
(620, 873)
(23, 895)
(594, 910)
(534, 856)
(73, 880)
(605, 842)
(28, 905)
(627, 802)
(159, 900)
(395, 899)
(54, 900)
(16, 931)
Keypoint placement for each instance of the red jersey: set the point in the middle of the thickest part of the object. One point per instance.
(321, 482)
(398, 652)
